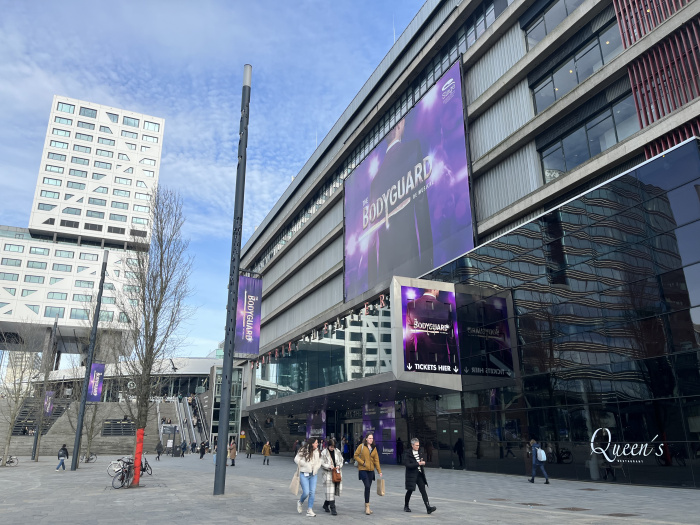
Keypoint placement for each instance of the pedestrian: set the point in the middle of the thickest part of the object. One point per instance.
(159, 450)
(535, 447)
(202, 450)
(232, 452)
(295, 449)
(248, 450)
(277, 446)
(62, 456)
(194, 447)
(309, 461)
(415, 475)
(331, 462)
(367, 462)
(266, 451)
(399, 450)
(183, 447)
(459, 450)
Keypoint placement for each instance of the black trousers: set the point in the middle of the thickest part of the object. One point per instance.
(420, 483)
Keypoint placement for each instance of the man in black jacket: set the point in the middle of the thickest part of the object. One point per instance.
(62, 456)
(415, 475)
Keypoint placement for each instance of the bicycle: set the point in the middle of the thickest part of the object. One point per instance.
(124, 476)
(11, 461)
(562, 455)
(116, 466)
(90, 459)
(146, 467)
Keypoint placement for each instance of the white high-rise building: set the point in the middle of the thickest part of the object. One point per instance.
(98, 169)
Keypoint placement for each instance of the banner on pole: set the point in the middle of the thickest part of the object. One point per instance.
(48, 402)
(247, 340)
(97, 374)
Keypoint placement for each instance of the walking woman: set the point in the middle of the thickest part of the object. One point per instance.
(367, 459)
(309, 461)
(331, 462)
(232, 452)
(266, 451)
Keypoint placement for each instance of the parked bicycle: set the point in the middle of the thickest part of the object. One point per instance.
(116, 466)
(11, 461)
(145, 466)
(676, 453)
(124, 476)
(89, 459)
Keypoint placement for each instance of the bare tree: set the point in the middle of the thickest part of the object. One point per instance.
(153, 304)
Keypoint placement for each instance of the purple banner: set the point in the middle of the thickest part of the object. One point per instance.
(407, 205)
(380, 420)
(247, 339)
(48, 402)
(97, 375)
(429, 330)
(316, 425)
(488, 339)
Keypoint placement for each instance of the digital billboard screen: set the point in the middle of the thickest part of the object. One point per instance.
(407, 205)
(247, 340)
(430, 338)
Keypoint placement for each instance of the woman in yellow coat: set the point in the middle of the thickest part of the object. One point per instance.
(367, 459)
(232, 453)
(266, 451)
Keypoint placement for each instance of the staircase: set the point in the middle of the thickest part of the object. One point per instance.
(30, 412)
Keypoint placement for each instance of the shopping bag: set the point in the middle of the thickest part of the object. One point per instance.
(381, 489)
(295, 485)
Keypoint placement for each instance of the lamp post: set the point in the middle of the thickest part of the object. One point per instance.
(227, 370)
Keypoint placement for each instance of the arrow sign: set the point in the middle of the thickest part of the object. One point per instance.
(409, 367)
(456, 370)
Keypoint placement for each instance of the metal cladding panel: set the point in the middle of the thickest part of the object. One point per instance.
(311, 238)
(316, 267)
(503, 118)
(323, 298)
(507, 182)
(500, 58)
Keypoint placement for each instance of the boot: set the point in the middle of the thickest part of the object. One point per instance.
(531, 480)
(406, 508)
(368, 511)
(429, 508)
(333, 511)
(325, 506)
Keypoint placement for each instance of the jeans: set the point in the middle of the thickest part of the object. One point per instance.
(534, 470)
(61, 464)
(308, 488)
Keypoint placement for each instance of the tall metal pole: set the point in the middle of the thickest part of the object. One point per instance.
(88, 366)
(227, 372)
(46, 358)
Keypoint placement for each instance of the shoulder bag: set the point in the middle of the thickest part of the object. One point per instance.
(295, 485)
(361, 449)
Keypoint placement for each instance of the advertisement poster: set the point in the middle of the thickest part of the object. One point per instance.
(247, 339)
(48, 403)
(97, 375)
(316, 425)
(407, 205)
(430, 339)
(380, 419)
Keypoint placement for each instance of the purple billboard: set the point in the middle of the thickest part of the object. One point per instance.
(486, 341)
(97, 375)
(430, 338)
(316, 425)
(247, 340)
(380, 420)
(407, 205)
(48, 402)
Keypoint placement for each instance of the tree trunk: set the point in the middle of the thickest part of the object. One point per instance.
(7, 447)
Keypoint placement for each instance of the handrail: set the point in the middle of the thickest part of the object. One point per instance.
(183, 430)
(202, 420)
(188, 413)
(160, 422)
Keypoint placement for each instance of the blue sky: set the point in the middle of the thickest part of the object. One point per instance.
(183, 61)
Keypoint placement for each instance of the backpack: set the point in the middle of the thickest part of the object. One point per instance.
(541, 455)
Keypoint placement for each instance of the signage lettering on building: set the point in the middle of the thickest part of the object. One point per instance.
(603, 445)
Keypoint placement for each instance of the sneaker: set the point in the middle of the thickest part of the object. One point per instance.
(299, 507)
(546, 482)
(310, 513)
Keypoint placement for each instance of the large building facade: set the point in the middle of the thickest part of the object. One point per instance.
(545, 184)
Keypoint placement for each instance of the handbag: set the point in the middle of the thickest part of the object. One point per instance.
(381, 488)
(295, 485)
(336, 476)
(356, 463)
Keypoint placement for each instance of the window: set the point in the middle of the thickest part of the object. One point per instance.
(4, 276)
(54, 311)
(78, 173)
(123, 156)
(57, 267)
(49, 194)
(11, 291)
(86, 125)
(148, 138)
(70, 224)
(121, 193)
(54, 169)
(46, 207)
(143, 196)
(132, 262)
(64, 253)
(61, 120)
(143, 209)
(123, 318)
(120, 205)
(57, 296)
(129, 134)
(145, 148)
(129, 121)
(129, 170)
(150, 162)
(66, 108)
(61, 132)
(139, 220)
(11, 262)
(33, 307)
(149, 173)
(38, 251)
(72, 211)
(122, 180)
(78, 313)
(84, 284)
(37, 265)
(131, 146)
(87, 112)
(18, 248)
(141, 184)
(151, 126)
(109, 300)
(58, 144)
(115, 229)
(56, 156)
(109, 286)
(37, 279)
(83, 298)
(101, 189)
(104, 153)
(105, 129)
(97, 202)
(98, 176)
(81, 149)
(79, 160)
(114, 118)
(27, 292)
(89, 256)
(75, 185)
(49, 221)
(52, 182)
(83, 136)
(108, 142)
(95, 214)
(54, 280)
(138, 233)
(103, 165)
(117, 217)
(92, 227)
(550, 19)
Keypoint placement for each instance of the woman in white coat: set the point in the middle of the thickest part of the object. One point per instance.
(309, 460)
(331, 460)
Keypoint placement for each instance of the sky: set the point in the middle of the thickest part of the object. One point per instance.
(183, 61)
